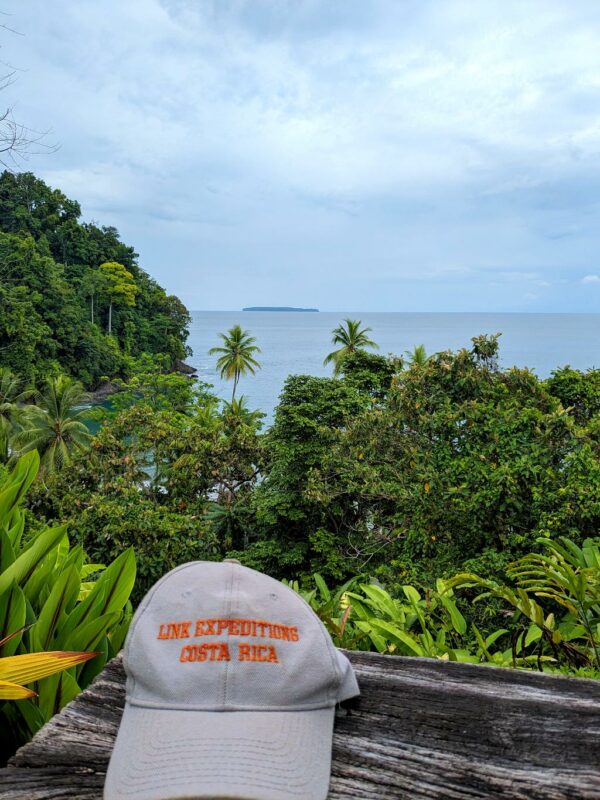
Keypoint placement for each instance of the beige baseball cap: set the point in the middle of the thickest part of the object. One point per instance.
(232, 683)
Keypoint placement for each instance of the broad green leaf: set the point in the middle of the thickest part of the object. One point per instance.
(7, 552)
(86, 673)
(378, 640)
(119, 631)
(380, 599)
(22, 568)
(534, 634)
(12, 618)
(37, 589)
(15, 533)
(397, 636)
(91, 569)
(493, 637)
(34, 719)
(86, 637)
(412, 594)
(322, 586)
(55, 692)
(62, 597)
(18, 483)
(110, 594)
(458, 621)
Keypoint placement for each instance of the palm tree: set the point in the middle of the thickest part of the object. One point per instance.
(54, 425)
(12, 397)
(418, 357)
(352, 338)
(238, 412)
(236, 356)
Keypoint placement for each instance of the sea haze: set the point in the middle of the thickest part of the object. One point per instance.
(293, 343)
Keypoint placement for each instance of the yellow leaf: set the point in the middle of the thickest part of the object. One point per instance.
(426, 487)
(12, 691)
(34, 666)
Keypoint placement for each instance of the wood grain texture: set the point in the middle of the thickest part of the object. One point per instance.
(424, 730)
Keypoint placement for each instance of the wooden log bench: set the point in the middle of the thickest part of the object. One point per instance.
(422, 729)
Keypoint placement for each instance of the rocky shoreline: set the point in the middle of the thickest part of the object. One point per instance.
(108, 388)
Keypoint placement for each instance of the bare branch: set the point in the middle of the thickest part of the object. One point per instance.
(18, 142)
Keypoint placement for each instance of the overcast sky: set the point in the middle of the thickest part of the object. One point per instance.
(383, 155)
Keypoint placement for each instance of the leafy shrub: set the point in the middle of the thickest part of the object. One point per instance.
(554, 623)
(51, 600)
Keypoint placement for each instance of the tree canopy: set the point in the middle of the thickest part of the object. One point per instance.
(66, 284)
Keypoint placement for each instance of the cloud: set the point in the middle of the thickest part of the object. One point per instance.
(591, 279)
(371, 142)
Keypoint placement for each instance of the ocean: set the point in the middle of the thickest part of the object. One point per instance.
(297, 343)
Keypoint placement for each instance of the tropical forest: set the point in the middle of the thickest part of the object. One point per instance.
(423, 504)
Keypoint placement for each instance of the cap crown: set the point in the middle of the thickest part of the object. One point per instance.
(220, 636)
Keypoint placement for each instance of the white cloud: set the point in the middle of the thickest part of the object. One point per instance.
(591, 279)
(424, 137)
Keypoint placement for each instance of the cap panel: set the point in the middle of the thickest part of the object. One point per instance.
(303, 672)
(171, 755)
(165, 625)
(222, 636)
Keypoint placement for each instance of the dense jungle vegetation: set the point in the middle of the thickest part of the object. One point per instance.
(416, 484)
(73, 297)
(431, 505)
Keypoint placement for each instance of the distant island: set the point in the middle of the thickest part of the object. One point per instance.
(277, 308)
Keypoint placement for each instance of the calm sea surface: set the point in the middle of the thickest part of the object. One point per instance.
(298, 342)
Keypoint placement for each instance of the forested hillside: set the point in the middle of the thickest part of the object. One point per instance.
(73, 297)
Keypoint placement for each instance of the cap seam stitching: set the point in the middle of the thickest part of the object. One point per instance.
(228, 607)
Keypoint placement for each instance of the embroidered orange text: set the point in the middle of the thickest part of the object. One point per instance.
(174, 630)
(258, 628)
(215, 651)
(257, 652)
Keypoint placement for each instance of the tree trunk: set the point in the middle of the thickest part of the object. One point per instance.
(110, 318)
(236, 378)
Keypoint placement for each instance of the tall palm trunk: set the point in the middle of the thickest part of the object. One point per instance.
(235, 383)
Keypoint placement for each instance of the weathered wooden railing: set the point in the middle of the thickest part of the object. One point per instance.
(425, 730)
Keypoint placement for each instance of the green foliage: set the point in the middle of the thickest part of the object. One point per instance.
(460, 458)
(311, 416)
(555, 624)
(236, 356)
(56, 299)
(167, 473)
(566, 578)
(352, 338)
(51, 599)
(579, 392)
(12, 413)
(107, 524)
(369, 373)
(54, 426)
(417, 357)
(119, 286)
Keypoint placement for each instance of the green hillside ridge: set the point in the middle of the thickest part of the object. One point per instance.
(73, 297)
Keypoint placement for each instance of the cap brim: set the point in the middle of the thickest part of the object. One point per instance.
(164, 754)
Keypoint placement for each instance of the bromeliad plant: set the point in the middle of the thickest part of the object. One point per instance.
(52, 602)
